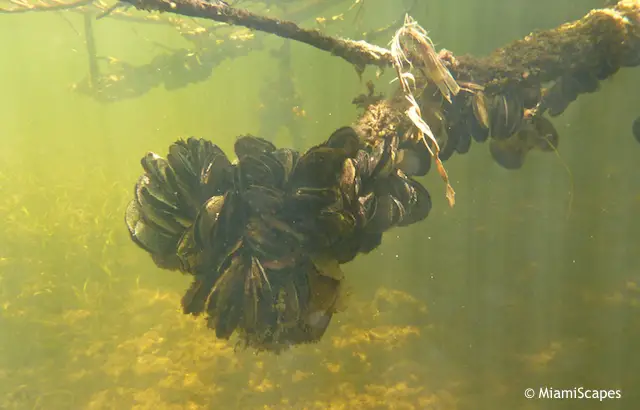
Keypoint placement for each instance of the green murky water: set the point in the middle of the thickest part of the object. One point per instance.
(532, 280)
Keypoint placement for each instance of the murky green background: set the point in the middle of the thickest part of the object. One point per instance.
(532, 280)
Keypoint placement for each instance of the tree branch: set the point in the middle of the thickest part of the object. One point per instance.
(603, 40)
(21, 6)
(359, 53)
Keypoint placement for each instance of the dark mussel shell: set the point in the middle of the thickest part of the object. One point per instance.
(225, 302)
(364, 164)
(507, 114)
(635, 129)
(288, 158)
(349, 181)
(319, 167)
(263, 169)
(413, 158)
(476, 130)
(259, 313)
(588, 82)
(156, 167)
(331, 226)
(388, 213)
(297, 307)
(382, 156)
(190, 158)
(199, 170)
(369, 241)
(194, 301)
(271, 239)
(190, 253)
(413, 162)
(262, 200)
(227, 231)
(607, 69)
(158, 208)
(475, 117)
(148, 236)
(291, 292)
(464, 142)
(367, 207)
(546, 136)
(415, 199)
(566, 89)
(449, 141)
(553, 100)
(346, 248)
(398, 186)
(509, 153)
(206, 221)
(250, 146)
(310, 201)
(531, 96)
(215, 178)
(345, 138)
(420, 208)
(325, 292)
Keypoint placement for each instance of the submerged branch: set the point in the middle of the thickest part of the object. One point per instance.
(47, 5)
(605, 36)
(359, 53)
(601, 42)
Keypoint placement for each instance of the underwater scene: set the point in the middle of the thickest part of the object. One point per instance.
(319, 204)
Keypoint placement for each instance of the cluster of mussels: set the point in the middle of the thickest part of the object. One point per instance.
(264, 236)
(511, 121)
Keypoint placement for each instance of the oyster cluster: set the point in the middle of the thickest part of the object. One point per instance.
(264, 236)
